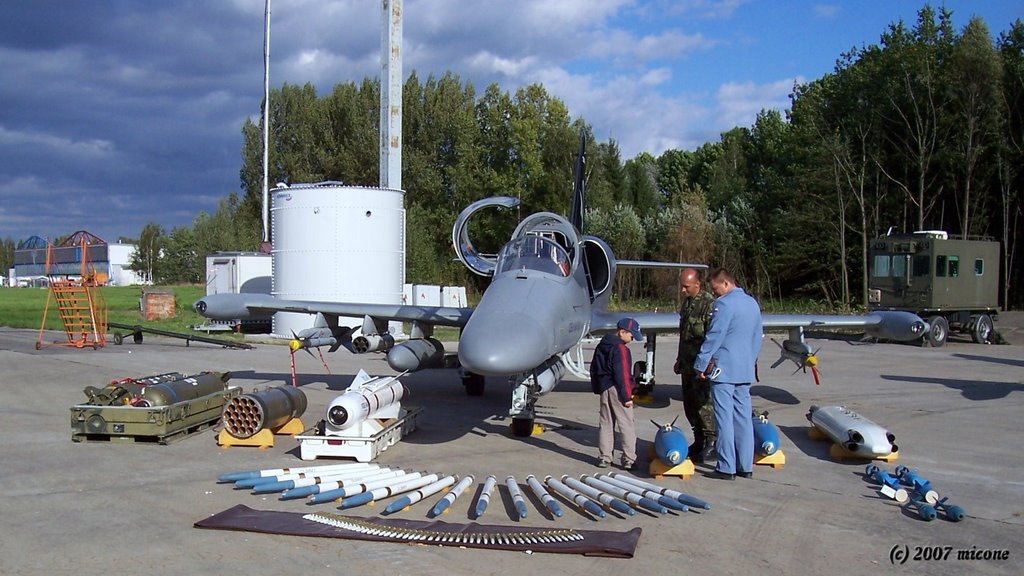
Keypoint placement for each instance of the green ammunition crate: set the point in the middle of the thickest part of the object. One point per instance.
(155, 425)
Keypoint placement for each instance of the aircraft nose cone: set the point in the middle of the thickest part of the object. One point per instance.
(503, 344)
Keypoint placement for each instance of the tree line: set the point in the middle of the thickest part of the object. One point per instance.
(922, 130)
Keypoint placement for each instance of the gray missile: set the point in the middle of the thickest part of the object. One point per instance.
(682, 498)
(575, 497)
(452, 494)
(253, 482)
(349, 489)
(410, 499)
(517, 495)
(665, 501)
(485, 495)
(546, 498)
(595, 494)
(301, 487)
(632, 498)
(327, 483)
(404, 484)
(235, 476)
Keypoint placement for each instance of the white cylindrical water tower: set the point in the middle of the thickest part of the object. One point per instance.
(336, 243)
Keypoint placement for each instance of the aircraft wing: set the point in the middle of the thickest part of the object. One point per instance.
(884, 324)
(241, 306)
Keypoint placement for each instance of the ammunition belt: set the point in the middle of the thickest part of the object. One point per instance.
(519, 538)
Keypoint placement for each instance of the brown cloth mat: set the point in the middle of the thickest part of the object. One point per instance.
(594, 543)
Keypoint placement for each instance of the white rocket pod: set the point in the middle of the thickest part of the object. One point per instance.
(852, 431)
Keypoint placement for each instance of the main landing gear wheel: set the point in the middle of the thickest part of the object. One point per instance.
(474, 384)
(522, 427)
(982, 329)
(938, 330)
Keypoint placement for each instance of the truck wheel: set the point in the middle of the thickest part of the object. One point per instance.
(982, 329)
(938, 329)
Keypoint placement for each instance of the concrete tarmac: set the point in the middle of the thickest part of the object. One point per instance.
(120, 508)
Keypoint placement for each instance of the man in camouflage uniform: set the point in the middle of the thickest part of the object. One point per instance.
(694, 319)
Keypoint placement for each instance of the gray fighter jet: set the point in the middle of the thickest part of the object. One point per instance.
(549, 290)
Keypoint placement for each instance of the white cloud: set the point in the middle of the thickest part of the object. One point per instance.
(826, 10)
(738, 103)
(89, 149)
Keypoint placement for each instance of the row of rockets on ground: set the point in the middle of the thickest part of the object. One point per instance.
(356, 484)
(909, 489)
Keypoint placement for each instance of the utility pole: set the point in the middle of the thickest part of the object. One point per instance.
(391, 95)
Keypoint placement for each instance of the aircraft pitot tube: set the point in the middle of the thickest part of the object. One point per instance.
(366, 397)
(246, 415)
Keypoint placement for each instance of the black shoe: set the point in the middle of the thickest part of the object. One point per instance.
(718, 475)
(745, 474)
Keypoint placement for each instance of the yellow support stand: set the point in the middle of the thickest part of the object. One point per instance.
(643, 399)
(264, 438)
(776, 460)
(838, 452)
(537, 430)
(658, 469)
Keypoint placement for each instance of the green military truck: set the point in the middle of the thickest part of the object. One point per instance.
(951, 283)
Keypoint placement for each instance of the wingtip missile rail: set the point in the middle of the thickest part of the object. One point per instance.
(445, 502)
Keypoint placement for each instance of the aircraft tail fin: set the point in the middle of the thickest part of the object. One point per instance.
(578, 207)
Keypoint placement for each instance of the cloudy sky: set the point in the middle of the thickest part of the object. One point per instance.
(116, 113)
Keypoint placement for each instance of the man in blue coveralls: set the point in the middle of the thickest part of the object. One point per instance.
(728, 357)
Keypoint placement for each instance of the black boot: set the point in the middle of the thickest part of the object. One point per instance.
(708, 453)
(696, 448)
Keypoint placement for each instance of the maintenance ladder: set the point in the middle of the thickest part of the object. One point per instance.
(81, 308)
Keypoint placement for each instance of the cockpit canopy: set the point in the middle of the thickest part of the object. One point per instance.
(534, 252)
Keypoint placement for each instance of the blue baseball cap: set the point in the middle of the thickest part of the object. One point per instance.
(633, 327)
